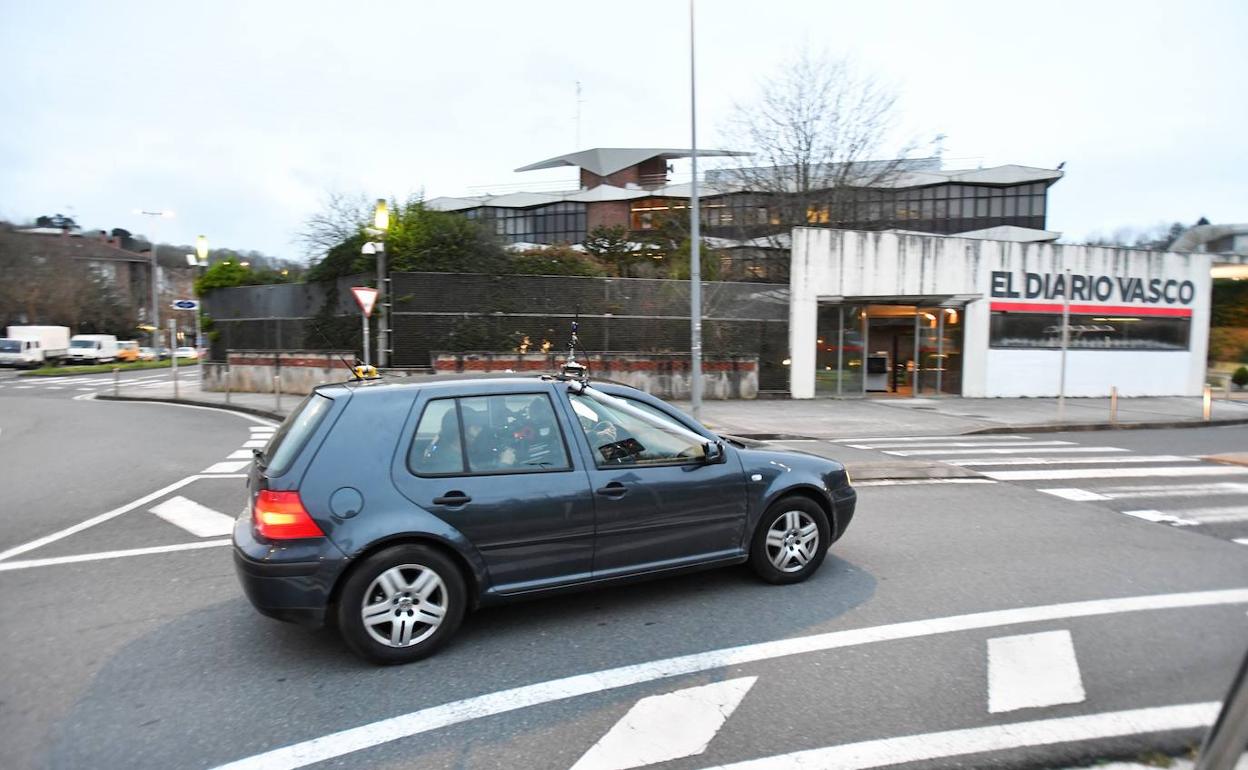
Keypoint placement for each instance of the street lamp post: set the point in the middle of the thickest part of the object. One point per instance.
(695, 241)
(155, 298)
(201, 253)
(381, 223)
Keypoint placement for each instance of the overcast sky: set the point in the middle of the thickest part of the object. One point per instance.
(241, 116)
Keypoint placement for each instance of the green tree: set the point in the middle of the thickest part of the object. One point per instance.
(611, 246)
(1230, 303)
(231, 272)
(1240, 377)
(554, 260)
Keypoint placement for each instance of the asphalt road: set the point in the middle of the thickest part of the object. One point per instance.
(156, 660)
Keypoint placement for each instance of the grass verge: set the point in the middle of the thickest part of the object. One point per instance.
(61, 371)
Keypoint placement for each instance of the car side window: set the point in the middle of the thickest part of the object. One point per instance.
(620, 433)
(438, 446)
(514, 433)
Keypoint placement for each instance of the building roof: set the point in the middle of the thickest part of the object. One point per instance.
(1195, 238)
(1011, 233)
(604, 161)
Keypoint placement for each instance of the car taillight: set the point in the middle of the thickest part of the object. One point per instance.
(281, 516)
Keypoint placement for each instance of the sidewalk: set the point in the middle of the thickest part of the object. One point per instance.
(821, 418)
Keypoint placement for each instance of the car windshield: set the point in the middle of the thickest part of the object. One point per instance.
(82, 344)
(10, 346)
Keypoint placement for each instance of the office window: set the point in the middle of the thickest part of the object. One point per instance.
(1095, 332)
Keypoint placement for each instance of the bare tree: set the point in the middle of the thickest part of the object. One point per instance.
(339, 219)
(818, 130)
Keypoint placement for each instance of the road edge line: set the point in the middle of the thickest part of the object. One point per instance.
(103, 555)
(260, 416)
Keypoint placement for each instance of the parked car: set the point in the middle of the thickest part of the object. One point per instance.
(92, 349)
(186, 352)
(127, 350)
(147, 354)
(392, 508)
(33, 346)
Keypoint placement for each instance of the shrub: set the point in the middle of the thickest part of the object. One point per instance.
(1240, 377)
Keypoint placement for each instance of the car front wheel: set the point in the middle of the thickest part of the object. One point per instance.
(791, 540)
(401, 604)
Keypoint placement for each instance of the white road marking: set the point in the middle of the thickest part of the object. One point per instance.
(1218, 515)
(53, 387)
(665, 727)
(970, 437)
(1071, 493)
(953, 444)
(23, 387)
(1010, 451)
(1033, 670)
(240, 454)
(29, 563)
(1162, 518)
(1118, 459)
(197, 519)
(977, 740)
(87, 390)
(912, 482)
(1114, 473)
(261, 429)
(1241, 540)
(1178, 490)
(226, 467)
(103, 517)
(256, 444)
(383, 731)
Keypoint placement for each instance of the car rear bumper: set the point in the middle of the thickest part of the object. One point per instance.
(291, 581)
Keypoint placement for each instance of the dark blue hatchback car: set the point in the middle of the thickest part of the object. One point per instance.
(390, 508)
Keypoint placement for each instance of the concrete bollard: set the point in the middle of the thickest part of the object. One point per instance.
(1207, 403)
(116, 380)
(228, 382)
(277, 392)
(1113, 405)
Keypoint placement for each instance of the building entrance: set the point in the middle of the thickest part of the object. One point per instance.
(887, 349)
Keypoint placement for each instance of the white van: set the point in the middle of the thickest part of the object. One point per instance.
(92, 349)
(33, 346)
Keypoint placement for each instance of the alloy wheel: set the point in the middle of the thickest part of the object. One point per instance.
(404, 605)
(792, 541)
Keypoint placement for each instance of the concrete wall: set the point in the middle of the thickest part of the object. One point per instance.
(859, 267)
(296, 371)
(665, 375)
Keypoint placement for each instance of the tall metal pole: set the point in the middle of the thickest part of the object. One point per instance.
(383, 301)
(695, 240)
(366, 360)
(1061, 388)
(155, 298)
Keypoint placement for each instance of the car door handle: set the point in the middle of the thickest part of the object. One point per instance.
(614, 489)
(454, 497)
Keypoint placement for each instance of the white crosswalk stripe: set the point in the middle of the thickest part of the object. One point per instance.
(1009, 451)
(197, 519)
(1116, 473)
(957, 444)
(1071, 460)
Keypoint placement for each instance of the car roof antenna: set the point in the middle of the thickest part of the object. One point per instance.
(359, 370)
(573, 369)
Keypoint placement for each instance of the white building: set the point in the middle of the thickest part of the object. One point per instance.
(913, 314)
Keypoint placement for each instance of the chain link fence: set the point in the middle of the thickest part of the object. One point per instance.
(462, 312)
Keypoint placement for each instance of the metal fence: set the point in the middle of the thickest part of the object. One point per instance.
(460, 312)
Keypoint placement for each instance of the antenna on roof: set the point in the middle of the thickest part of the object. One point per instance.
(572, 368)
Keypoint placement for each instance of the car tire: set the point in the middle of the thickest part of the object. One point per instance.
(782, 550)
(399, 591)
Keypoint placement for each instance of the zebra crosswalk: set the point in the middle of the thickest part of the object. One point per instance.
(1172, 489)
(78, 384)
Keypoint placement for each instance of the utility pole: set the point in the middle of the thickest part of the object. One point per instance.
(155, 269)
(695, 240)
(1061, 387)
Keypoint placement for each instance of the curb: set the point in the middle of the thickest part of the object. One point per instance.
(1090, 426)
(30, 375)
(189, 402)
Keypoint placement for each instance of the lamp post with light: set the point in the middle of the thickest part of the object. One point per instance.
(155, 319)
(381, 223)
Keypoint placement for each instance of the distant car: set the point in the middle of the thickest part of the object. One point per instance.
(389, 509)
(162, 353)
(147, 354)
(186, 352)
(127, 350)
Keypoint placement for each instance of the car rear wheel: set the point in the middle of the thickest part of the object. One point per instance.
(791, 541)
(401, 604)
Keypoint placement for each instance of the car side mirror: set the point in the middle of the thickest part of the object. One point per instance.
(713, 452)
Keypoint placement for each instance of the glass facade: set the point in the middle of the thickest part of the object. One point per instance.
(942, 208)
(888, 349)
(1095, 332)
(552, 223)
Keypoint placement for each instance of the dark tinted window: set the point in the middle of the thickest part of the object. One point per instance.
(491, 434)
(1099, 332)
(284, 447)
(438, 447)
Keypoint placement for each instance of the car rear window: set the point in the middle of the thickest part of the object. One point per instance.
(284, 447)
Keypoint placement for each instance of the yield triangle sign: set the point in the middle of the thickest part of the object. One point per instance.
(366, 297)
